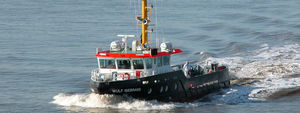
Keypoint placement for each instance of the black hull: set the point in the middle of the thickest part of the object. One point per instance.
(173, 86)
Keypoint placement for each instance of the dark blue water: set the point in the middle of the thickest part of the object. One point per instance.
(47, 52)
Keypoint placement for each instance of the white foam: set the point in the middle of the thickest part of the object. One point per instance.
(258, 91)
(86, 100)
(232, 95)
(113, 101)
(270, 64)
(265, 62)
(269, 86)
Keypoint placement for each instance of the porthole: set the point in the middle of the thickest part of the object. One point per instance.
(175, 86)
(149, 90)
(161, 89)
(166, 89)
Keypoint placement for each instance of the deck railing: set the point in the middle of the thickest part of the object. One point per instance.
(96, 75)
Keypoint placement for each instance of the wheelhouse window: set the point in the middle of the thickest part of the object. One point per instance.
(138, 64)
(166, 60)
(107, 63)
(149, 63)
(159, 61)
(124, 64)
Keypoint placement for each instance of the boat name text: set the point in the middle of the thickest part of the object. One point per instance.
(126, 90)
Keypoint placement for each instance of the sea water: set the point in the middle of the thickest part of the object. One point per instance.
(47, 52)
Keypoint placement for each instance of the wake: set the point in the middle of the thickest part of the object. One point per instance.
(258, 77)
(112, 101)
(268, 71)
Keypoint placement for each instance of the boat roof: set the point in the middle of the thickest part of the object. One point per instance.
(109, 54)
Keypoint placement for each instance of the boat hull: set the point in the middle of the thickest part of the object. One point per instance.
(173, 86)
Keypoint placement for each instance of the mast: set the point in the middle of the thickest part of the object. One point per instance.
(145, 21)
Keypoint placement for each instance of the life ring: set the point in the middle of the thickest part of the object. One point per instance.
(209, 71)
(124, 75)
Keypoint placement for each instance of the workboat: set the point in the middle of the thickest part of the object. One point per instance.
(145, 72)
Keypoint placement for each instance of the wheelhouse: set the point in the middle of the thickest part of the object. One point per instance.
(124, 66)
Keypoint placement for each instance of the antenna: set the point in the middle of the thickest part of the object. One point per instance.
(156, 27)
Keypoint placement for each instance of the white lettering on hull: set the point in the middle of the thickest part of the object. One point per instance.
(126, 90)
